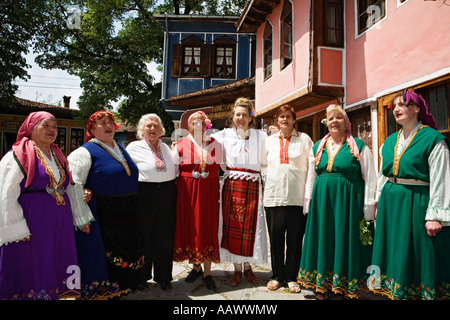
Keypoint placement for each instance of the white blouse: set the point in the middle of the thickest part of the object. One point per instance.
(13, 226)
(143, 156)
(285, 183)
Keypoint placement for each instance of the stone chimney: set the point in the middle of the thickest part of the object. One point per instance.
(66, 102)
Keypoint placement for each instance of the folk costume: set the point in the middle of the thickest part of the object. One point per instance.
(197, 218)
(412, 188)
(35, 203)
(284, 192)
(158, 198)
(339, 194)
(111, 256)
(243, 231)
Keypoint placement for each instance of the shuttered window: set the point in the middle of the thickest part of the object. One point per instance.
(267, 57)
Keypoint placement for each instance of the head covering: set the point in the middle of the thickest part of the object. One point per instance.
(424, 114)
(350, 140)
(24, 147)
(201, 113)
(92, 120)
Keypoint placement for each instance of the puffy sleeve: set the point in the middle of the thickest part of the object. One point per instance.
(439, 163)
(369, 175)
(311, 178)
(13, 226)
(79, 165)
(381, 179)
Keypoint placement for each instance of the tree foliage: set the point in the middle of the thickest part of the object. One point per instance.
(107, 44)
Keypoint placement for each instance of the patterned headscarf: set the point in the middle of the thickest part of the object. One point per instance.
(201, 113)
(24, 147)
(94, 118)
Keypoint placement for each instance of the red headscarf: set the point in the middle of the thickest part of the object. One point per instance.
(24, 148)
(92, 120)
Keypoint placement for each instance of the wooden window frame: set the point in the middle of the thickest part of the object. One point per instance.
(364, 13)
(61, 139)
(267, 51)
(338, 27)
(224, 43)
(79, 138)
(286, 34)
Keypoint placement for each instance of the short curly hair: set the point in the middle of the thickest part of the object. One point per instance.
(143, 120)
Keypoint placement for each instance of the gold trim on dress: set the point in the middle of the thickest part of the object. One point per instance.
(396, 163)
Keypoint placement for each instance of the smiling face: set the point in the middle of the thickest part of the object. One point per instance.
(241, 118)
(104, 129)
(336, 123)
(404, 114)
(45, 132)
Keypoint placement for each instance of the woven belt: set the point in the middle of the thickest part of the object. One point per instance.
(408, 181)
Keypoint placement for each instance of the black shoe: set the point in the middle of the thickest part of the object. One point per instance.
(209, 283)
(165, 286)
(193, 275)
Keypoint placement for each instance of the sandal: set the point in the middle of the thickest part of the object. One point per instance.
(294, 287)
(273, 285)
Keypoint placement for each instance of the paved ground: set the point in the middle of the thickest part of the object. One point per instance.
(222, 273)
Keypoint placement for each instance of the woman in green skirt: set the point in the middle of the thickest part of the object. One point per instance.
(339, 194)
(411, 254)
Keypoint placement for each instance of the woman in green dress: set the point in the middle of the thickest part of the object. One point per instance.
(411, 254)
(339, 194)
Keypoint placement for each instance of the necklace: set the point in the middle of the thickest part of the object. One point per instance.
(122, 160)
(54, 189)
(203, 154)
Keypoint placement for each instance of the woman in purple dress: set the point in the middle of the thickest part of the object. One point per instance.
(38, 259)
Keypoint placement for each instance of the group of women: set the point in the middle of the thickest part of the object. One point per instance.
(123, 216)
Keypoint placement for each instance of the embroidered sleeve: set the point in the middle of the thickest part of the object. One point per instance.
(439, 206)
(13, 226)
(79, 165)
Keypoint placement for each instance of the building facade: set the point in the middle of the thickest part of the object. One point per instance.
(205, 60)
(356, 53)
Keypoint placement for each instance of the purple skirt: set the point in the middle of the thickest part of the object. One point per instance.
(39, 269)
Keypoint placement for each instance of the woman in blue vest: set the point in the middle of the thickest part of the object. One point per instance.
(111, 253)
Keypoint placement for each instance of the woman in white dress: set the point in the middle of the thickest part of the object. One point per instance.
(242, 229)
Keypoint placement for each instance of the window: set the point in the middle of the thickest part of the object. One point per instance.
(225, 52)
(286, 34)
(61, 138)
(76, 138)
(334, 23)
(267, 48)
(369, 13)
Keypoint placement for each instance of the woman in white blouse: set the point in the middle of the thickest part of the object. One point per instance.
(243, 229)
(158, 197)
(287, 168)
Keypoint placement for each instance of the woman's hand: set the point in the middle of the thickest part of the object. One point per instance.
(87, 196)
(433, 227)
(86, 228)
(27, 239)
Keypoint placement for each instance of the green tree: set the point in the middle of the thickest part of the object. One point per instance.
(19, 21)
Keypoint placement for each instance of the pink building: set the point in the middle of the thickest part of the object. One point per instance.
(356, 53)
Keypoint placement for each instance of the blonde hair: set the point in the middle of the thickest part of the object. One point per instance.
(337, 108)
(245, 103)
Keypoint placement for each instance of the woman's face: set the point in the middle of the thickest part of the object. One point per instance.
(336, 123)
(285, 121)
(197, 126)
(241, 118)
(404, 114)
(152, 130)
(45, 132)
(104, 129)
